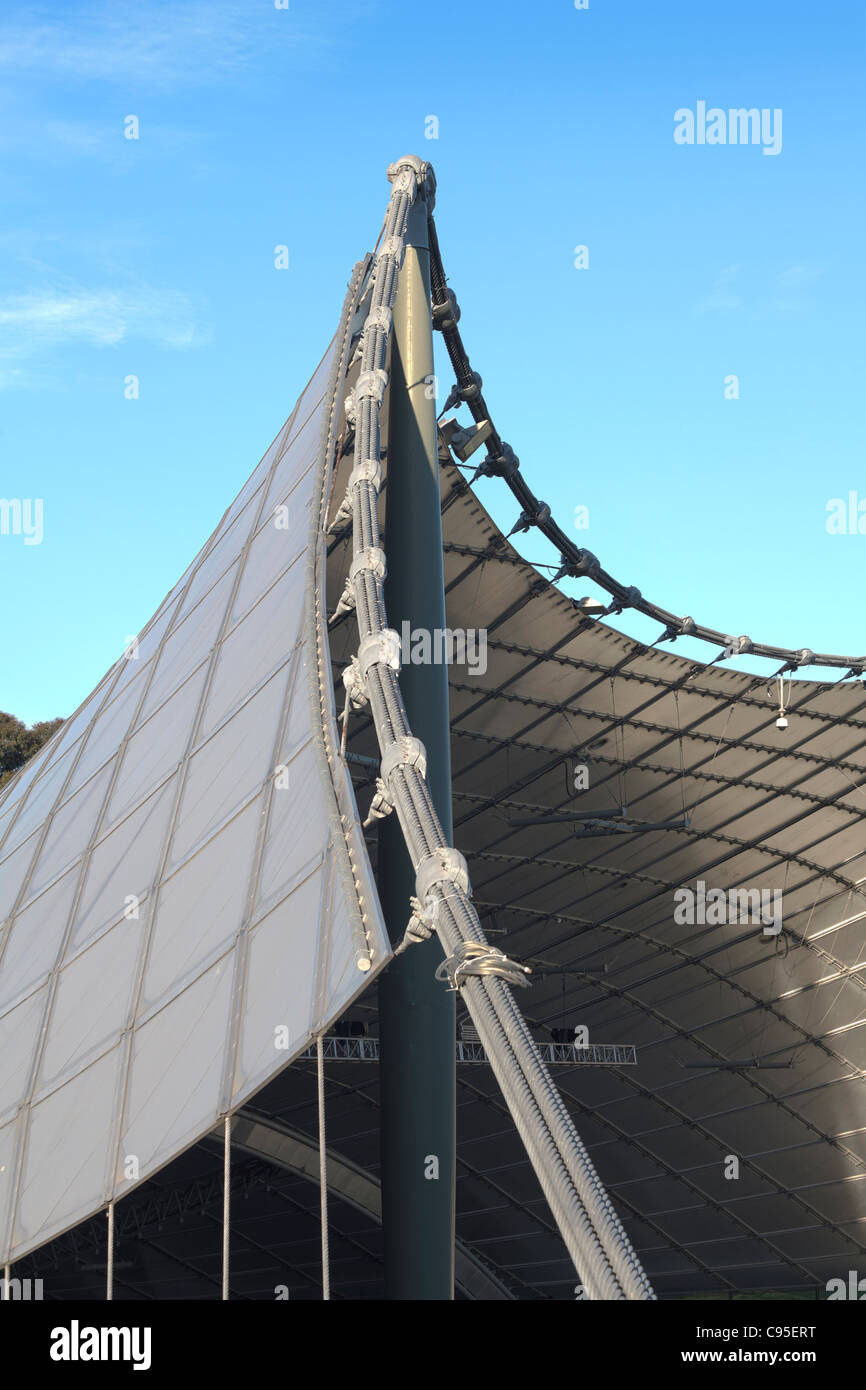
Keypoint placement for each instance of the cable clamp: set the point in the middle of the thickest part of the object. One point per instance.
(505, 465)
(391, 246)
(406, 751)
(380, 317)
(372, 559)
(476, 958)
(736, 646)
(630, 598)
(444, 865)
(366, 471)
(370, 386)
(586, 564)
(447, 314)
(381, 647)
(471, 387)
(681, 627)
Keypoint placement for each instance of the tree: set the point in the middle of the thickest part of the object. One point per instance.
(18, 743)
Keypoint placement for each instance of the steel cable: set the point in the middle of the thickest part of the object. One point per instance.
(605, 1261)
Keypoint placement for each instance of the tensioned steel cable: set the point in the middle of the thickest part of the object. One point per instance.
(323, 1169)
(227, 1173)
(109, 1263)
(602, 1253)
(502, 462)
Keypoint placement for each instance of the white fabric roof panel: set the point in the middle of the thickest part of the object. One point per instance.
(185, 897)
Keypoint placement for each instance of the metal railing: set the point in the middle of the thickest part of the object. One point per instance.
(593, 1055)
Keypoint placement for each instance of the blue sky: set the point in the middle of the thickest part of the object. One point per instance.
(259, 127)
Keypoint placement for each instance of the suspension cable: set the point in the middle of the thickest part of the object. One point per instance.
(501, 461)
(604, 1258)
(323, 1170)
(109, 1263)
(227, 1173)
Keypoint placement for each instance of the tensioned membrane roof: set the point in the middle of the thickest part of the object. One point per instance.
(184, 897)
(171, 901)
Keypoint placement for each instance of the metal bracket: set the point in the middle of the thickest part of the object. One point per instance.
(476, 958)
(381, 646)
(370, 386)
(408, 751)
(367, 471)
(444, 865)
(354, 684)
(380, 317)
(372, 559)
(463, 441)
(381, 805)
(392, 246)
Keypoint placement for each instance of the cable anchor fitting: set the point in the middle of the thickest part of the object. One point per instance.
(539, 517)
(409, 174)
(476, 958)
(371, 560)
(381, 805)
(366, 471)
(355, 685)
(406, 751)
(356, 696)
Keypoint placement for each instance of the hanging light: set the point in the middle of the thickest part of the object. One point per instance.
(781, 722)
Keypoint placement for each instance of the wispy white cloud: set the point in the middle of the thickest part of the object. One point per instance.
(44, 319)
(160, 41)
(48, 139)
(779, 293)
(797, 277)
(789, 292)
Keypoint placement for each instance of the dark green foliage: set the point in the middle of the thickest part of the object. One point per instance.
(18, 743)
